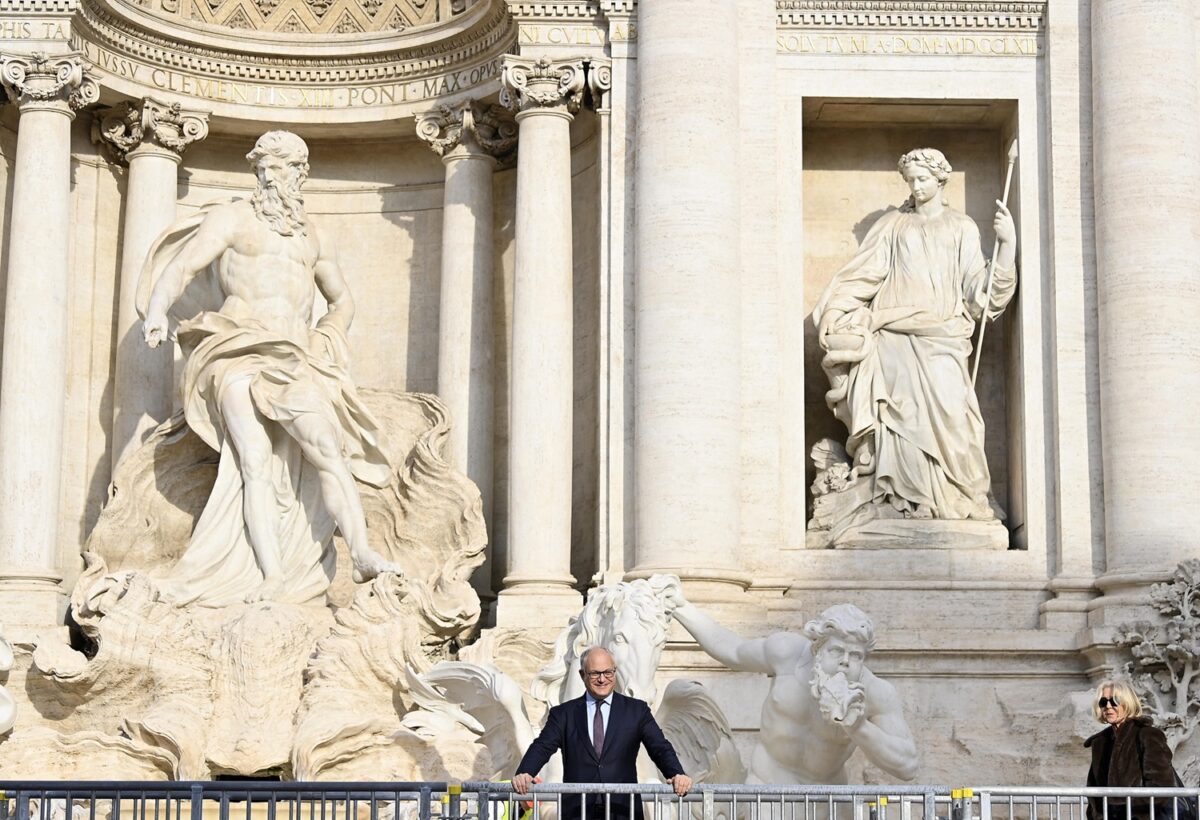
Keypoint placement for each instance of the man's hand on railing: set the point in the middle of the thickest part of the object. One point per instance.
(682, 784)
(522, 782)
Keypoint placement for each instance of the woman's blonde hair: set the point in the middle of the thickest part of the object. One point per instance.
(1123, 693)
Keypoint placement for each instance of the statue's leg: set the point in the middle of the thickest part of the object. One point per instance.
(319, 441)
(252, 446)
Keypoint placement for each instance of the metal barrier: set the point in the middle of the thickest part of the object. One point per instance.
(271, 800)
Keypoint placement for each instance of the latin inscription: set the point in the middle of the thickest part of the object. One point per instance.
(973, 45)
(560, 36)
(32, 30)
(220, 89)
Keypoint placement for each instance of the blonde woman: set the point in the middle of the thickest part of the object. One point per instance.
(1130, 752)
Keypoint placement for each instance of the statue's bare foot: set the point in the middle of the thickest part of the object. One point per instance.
(268, 590)
(921, 513)
(369, 564)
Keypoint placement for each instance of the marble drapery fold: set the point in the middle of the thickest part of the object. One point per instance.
(914, 292)
(292, 371)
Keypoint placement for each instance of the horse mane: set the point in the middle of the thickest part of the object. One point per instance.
(586, 629)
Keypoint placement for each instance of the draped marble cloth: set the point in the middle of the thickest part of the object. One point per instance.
(919, 286)
(292, 371)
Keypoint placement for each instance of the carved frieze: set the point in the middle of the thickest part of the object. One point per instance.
(100, 28)
(541, 83)
(475, 127)
(309, 16)
(41, 81)
(128, 125)
(974, 15)
(972, 28)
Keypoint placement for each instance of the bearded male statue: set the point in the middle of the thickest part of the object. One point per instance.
(822, 702)
(267, 389)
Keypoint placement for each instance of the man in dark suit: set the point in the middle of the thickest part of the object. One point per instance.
(599, 735)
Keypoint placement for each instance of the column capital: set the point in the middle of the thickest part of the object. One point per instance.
(469, 128)
(529, 84)
(149, 125)
(599, 80)
(62, 83)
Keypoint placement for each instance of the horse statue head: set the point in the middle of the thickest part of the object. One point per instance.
(630, 620)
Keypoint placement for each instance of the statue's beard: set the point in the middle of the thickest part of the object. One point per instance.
(281, 207)
(834, 693)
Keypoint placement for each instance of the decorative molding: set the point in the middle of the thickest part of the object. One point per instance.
(932, 15)
(51, 82)
(599, 79)
(471, 125)
(38, 6)
(129, 125)
(528, 85)
(618, 8)
(555, 11)
(397, 61)
(310, 16)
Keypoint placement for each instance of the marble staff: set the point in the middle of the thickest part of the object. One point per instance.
(1012, 159)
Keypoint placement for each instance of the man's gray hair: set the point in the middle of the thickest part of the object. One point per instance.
(583, 656)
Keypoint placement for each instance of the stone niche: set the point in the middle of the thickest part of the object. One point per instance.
(851, 147)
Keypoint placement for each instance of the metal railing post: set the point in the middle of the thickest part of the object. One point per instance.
(454, 804)
(22, 806)
(708, 810)
(197, 802)
(425, 804)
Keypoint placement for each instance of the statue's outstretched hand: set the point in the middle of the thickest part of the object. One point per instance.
(154, 329)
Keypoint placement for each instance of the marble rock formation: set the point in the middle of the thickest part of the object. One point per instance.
(896, 326)
(216, 635)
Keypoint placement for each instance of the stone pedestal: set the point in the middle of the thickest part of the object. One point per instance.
(1146, 119)
(33, 379)
(544, 94)
(150, 136)
(687, 400)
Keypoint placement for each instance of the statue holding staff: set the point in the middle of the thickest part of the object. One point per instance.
(896, 325)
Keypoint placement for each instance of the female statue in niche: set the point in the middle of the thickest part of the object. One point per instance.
(896, 325)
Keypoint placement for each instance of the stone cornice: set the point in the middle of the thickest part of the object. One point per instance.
(931, 15)
(564, 10)
(62, 82)
(38, 6)
(168, 127)
(475, 127)
(276, 60)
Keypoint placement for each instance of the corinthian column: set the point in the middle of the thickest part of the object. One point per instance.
(1146, 126)
(687, 325)
(47, 91)
(151, 137)
(468, 138)
(544, 94)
